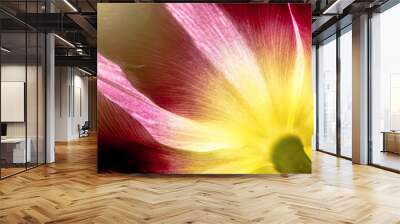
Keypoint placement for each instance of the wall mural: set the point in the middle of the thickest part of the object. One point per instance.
(204, 88)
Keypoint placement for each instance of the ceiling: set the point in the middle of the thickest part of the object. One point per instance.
(76, 22)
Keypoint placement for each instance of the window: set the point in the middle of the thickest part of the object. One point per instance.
(327, 96)
(346, 93)
(22, 92)
(314, 79)
(385, 89)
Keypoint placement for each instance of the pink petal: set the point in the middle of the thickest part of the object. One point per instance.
(165, 127)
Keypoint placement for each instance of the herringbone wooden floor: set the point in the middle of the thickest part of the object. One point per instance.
(70, 191)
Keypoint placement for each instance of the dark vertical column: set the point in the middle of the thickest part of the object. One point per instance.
(37, 89)
(44, 69)
(26, 86)
(369, 90)
(69, 91)
(73, 91)
(338, 81)
(0, 95)
(317, 97)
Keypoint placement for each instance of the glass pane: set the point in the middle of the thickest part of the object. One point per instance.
(346, 94)
(14, 153)
(41, 98)
(327, 96)
(386, 89)
(314, 75)
(31, 98)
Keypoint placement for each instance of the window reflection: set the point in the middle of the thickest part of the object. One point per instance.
(385, 83)
(22, 92)
(327, 96)
(346, 94)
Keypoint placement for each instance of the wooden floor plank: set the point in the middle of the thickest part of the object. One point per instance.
(70, 191)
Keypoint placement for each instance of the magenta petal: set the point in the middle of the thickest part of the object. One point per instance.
(165, 127)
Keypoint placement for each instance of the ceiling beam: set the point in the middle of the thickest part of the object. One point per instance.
(77, 61)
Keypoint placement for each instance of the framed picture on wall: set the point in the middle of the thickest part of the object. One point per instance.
(204, 88)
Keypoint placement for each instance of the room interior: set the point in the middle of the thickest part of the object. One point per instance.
(49, 154)
(22, 105)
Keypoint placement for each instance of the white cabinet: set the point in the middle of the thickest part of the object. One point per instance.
(19, 155)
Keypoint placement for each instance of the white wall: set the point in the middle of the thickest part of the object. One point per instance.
(16, 73)
(80, 110)
(62, 82)
(71, 102)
